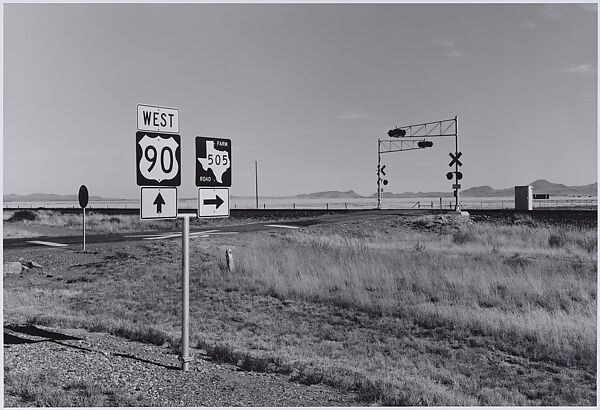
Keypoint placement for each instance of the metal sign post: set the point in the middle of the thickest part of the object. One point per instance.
(83, 201)
(185, 299)
(83, 229)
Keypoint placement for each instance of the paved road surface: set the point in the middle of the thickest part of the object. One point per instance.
(288, 224)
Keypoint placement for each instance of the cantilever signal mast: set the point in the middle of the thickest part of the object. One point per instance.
(411, 137)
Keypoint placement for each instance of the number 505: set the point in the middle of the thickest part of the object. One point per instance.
(218, 159)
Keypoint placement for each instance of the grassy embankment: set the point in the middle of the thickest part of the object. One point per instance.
(471, 315)
(32, 223)
(24, 222)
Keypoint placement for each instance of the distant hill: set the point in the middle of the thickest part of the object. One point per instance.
(329, 194)
(487, 190)
(419, 194)
(540, 186)
(38, 197)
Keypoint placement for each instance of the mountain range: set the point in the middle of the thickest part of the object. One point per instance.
(38, 197)
(540, 186)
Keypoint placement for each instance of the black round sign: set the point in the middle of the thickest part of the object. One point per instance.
(83, 196)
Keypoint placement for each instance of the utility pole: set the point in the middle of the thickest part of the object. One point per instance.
(256, 181)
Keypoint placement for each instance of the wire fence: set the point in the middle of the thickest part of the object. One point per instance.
(350, 204)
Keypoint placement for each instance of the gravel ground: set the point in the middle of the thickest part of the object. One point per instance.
(148, 375)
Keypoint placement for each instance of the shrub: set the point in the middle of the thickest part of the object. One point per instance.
(556, 240)
(462, 236)
(590, 244)
(25, 215)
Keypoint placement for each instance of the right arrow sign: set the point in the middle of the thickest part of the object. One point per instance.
(213, 202)
(217, 201)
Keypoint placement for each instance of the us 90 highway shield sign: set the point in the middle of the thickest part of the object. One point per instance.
(213, 162)
(158, 159)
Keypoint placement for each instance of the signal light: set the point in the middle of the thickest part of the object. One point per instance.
(396, 133)
(449, 175)
(385, 182)
(425, 144)
(459, 175)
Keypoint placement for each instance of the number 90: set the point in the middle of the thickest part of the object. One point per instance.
(166, 158)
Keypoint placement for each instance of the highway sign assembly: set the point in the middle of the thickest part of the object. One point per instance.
(158, 159)
(213, 162)
(158, 203)
(159, 119)
(213, 202)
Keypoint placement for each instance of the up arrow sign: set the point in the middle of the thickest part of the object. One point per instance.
(217, 201)
(159, 202)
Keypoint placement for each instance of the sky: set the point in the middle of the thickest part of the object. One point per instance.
(306, 90)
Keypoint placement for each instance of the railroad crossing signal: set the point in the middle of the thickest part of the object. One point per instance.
(455, 158)
(380, 170)
(425, 144)
(396, 133)
(450, 175)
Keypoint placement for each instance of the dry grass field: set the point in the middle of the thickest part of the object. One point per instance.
(433, 310)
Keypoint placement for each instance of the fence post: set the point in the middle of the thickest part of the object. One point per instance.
(229, 260)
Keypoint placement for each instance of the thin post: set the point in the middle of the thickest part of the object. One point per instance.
(457, 209)
(256, 181)
(378, 174)
(185, 300)
(83, 229)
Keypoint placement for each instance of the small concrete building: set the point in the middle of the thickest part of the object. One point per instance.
(524, 198)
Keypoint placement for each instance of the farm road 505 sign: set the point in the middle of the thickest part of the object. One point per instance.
(213, 162)
(158, 159)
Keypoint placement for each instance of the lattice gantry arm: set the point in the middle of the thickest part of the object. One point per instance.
(402, 145)
(444, 128)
